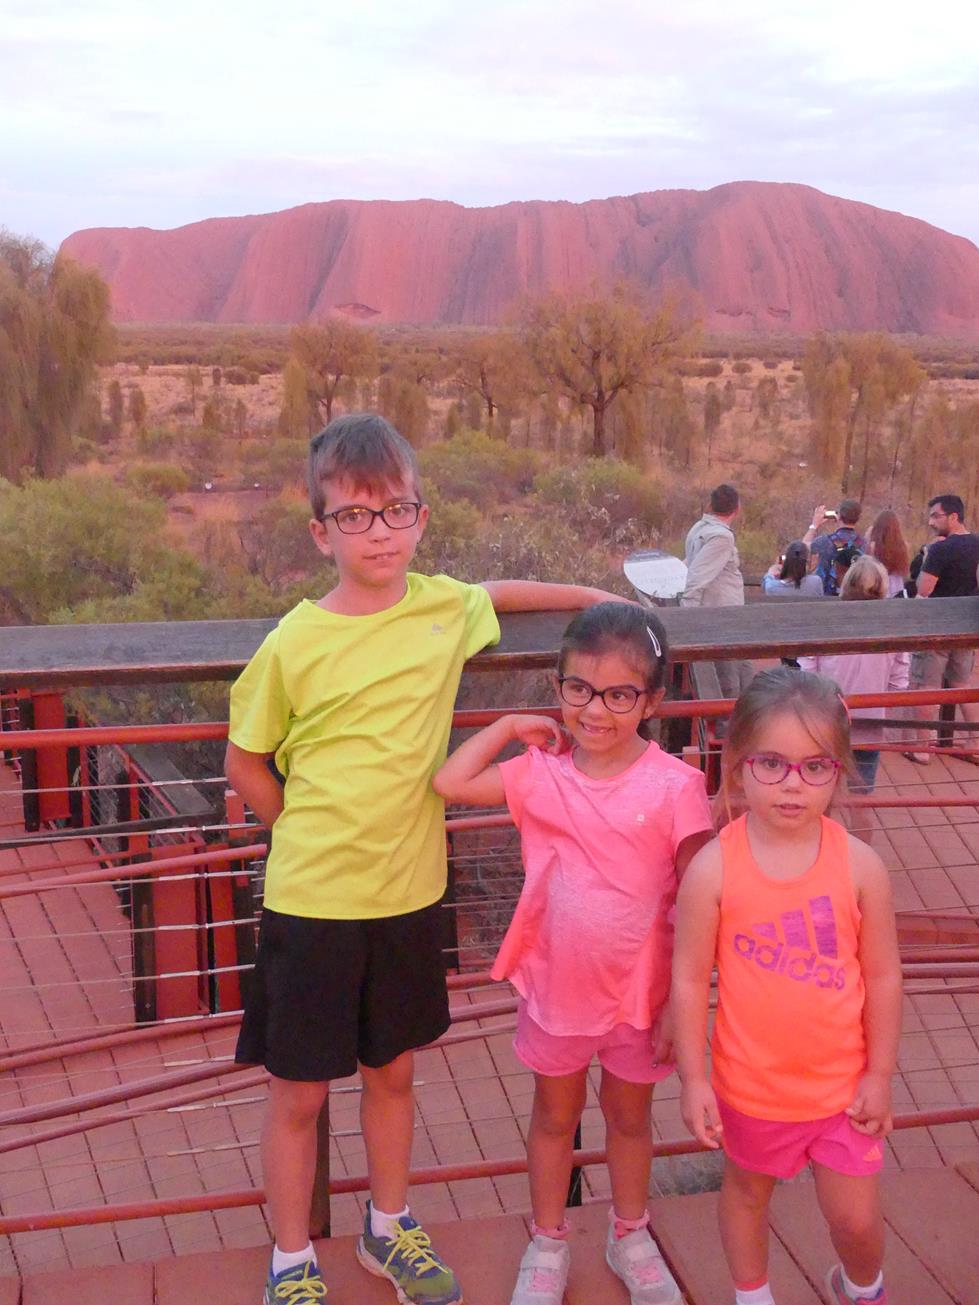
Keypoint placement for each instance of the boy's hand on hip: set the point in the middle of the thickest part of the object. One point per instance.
(538, 732)
(870, 1110)
(698, 1105)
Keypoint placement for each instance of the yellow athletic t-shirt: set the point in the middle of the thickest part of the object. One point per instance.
(358, 711)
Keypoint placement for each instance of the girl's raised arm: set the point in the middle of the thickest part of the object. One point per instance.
(470, 776)
(880, 964)
(697, 920)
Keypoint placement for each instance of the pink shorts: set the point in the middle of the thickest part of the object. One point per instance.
(624, 1051)
(781, 1148)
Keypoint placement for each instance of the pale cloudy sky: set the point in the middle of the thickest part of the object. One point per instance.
(120, 113)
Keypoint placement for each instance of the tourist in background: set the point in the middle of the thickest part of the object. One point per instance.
(886, 542)
(948, 571)
(839, 546)
(790, 575)
(869, 672)
(714, 576)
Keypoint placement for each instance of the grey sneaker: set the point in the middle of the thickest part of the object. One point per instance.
(543, 1273)
(638, 1261)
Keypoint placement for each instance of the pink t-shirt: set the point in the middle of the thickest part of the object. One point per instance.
(591, 940)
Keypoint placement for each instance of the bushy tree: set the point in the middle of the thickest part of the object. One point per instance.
(329, 354)
(82, 539)
(491, 368)
(591, 348)
(54, 330)
(852, 383)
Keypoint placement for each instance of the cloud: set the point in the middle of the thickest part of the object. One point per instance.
(162, 116)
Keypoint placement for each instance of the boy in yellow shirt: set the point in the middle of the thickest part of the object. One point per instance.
(353, 696)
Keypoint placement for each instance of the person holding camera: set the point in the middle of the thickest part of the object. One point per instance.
(789, 575)
(839, 547)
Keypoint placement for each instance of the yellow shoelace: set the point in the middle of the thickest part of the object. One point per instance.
(301, 1289)
(415, 1245)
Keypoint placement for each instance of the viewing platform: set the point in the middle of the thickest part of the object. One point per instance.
(129, 1166)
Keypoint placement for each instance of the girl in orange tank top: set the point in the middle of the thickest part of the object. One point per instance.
(796, 915)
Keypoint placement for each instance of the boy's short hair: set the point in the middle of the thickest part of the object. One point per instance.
(364, 449)
(850, 510)
(724, 500)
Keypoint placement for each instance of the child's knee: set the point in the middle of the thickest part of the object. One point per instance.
(556, 1118)
(296, 1105)
(856, 1224)
(395, 1079)
(627, 1119)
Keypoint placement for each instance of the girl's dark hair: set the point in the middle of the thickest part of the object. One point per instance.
(796, 563)
(635, 633)
(816, 703)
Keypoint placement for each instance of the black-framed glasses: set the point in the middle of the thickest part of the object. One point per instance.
(579, 693)
(358, 520)
(770, 768)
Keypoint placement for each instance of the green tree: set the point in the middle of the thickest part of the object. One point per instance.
(713, 411)
(54, 331)
(82, 539)
(852, 382)
(137, 408)
(297, 416)
(194, 381)
(329, 354)
(117, 408)
(491, 369)
(593, 347)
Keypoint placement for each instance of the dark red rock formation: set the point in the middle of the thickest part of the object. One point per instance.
(761, 256)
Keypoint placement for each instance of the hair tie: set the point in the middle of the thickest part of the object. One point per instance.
(655, 642)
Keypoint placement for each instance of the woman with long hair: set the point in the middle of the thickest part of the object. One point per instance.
(886, 542)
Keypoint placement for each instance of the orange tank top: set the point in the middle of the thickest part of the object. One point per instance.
(788, 1041)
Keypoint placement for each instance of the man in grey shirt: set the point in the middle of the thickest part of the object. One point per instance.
(714, 576)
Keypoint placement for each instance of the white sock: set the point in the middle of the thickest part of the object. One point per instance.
(757, 1296)
(862, 1293)
(385, 1225)
(289, 1259)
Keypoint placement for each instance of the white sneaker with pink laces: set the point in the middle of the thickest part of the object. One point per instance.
(638, 1261)
(543, 1273)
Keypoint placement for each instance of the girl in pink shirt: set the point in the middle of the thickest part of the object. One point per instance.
(606, 828)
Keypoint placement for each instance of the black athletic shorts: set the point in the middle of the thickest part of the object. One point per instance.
(327, 994)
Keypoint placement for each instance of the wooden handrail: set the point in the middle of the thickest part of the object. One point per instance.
(53, 656)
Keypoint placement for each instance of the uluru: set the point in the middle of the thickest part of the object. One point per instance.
(761, 256)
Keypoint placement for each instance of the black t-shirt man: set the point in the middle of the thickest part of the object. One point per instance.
(953, 561)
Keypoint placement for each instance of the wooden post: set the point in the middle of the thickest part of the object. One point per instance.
(319, 1210)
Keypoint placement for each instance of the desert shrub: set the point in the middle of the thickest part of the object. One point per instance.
(770, 364)
(157, 479)
(236, 376)
(708, 369)
(476, 467)
(155, 441)
(604, 498)
(741, 368)
(463, 543)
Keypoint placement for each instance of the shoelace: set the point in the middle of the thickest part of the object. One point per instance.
(415, 1246)
(301, 1290)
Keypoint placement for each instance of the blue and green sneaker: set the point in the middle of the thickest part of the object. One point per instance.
(409, 1263)
(301, 1285)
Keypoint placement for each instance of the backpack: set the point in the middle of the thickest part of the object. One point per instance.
(834, 566)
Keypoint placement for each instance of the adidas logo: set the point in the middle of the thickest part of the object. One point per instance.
(803, 951)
